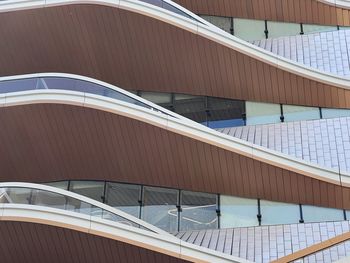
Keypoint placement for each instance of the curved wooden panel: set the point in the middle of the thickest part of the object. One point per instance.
(296, 11)
(49, 142)
(30, 242)
(135, 51)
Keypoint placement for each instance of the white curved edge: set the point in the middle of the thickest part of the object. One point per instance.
(337, 3)
(205, 30)
(169, 245)
(95, 81)
(86, 200)
(197, 132)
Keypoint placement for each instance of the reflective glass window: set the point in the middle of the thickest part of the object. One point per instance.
(223, 23)
(307, 28)
(159, 207)
(334, 113)
(61, 184)
(261, 113)
(192, 107)
(157, 97)
(299, 113)
(279, 213)
(238, 212)
(124, 197)
(225, 113)
(198, 210)
(91, 189)
(18, 85)
(248, 29)
(321, 214)
(279, 29)
(50, 199)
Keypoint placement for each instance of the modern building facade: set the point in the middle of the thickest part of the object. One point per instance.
(186, 131)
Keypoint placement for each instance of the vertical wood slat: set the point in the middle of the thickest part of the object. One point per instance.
(176, 60)
(20, 246)
(295, 11)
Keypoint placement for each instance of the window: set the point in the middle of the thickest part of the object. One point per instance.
(91, 189)
(278, 29)
(157, 97)
(192, 107)
(260, 113)
(225, 113)
(223, 23)
(62, 185)
(198, 211)
(249, 30)
(334, 113)
(298, 113)
(279, 213)
(321, 214)
(124, 197)
(160, 207)
(307, 28)
(238, 212)
(18, 85)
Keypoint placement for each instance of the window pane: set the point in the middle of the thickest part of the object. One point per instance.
(260, 113)
(50, 199)
(307, 28)
(91, 189)
(198, 211)
(321, 214)
(157, 97)
(335, 113)
(62, 185)
(299, 113)
(192, 107)
(249, 30)
(279, 213)
(279, 29)
(18, 85)
(223, 23)
(225, 112)
(124, 197)
(238, 212)
(160, 207)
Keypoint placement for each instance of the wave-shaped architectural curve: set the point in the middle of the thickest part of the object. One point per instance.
(103, 40)
(26, 207)
(60, 134)
(323, 12)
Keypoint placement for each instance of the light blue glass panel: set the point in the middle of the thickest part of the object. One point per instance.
(261, 113)
(248, 29)
(334, 113)
(238, 212)
(274, 213)
(300, 113)
(279, 29)
(321, 214)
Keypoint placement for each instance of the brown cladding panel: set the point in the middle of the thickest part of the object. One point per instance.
(59, 142)
(296, 11)
(29, 242)
(106, 43)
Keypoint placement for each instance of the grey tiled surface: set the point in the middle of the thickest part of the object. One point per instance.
(326, 51)
(325, 142)
(328, 255)
(266, 243)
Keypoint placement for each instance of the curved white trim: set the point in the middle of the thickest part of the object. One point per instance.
(188, 128)
(86, 200)
(210, 32)
(165, 244)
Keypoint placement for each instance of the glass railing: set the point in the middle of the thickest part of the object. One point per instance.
(39, 197)
(169, 7)
(65, 83)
